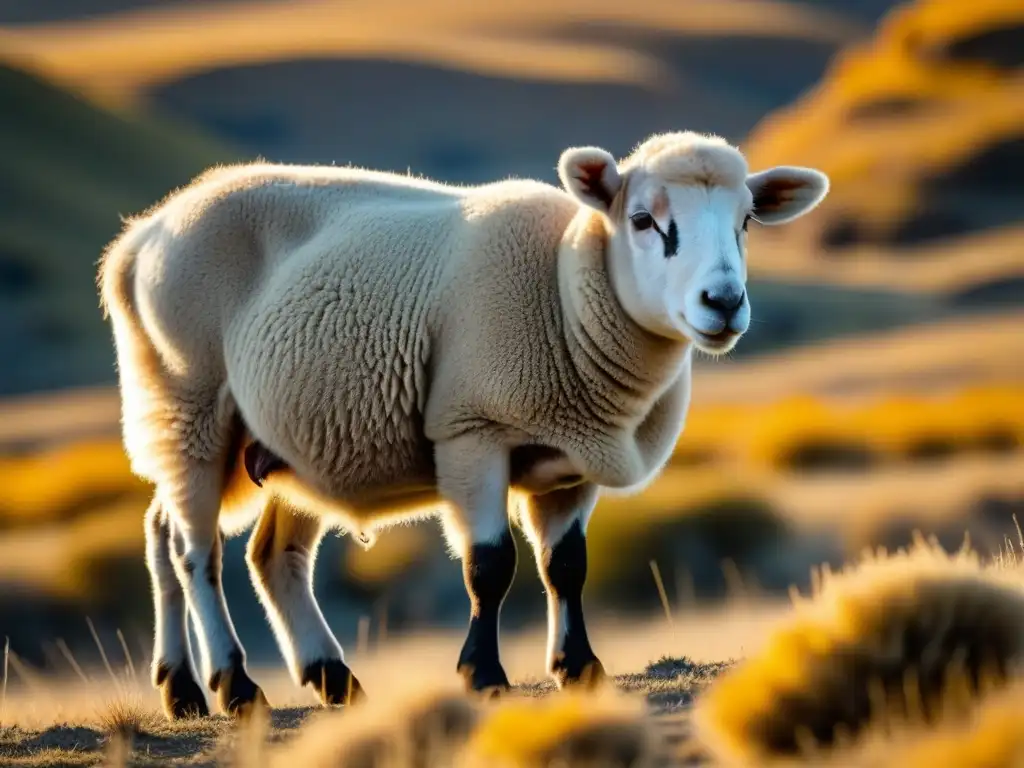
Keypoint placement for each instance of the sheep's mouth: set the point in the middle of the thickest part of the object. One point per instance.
(715, 343)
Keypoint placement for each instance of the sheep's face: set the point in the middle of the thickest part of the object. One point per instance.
(678, 230)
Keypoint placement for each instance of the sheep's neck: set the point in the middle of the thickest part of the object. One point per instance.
(625, 366)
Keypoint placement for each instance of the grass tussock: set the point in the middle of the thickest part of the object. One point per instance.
(992, 737)
(913, 637)
(126, 717)
(574, 730)
(384, 733)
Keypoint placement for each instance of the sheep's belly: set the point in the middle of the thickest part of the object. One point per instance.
(410, 497)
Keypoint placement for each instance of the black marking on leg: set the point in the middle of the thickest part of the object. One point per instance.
(333, 681)
(180, 693)
(236, 692)
(488, 571)
(260, 462)
(214, 564)
(565, 573)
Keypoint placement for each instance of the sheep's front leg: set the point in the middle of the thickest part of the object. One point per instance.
(556, 523)
(473, 479)
(281, 556)
(173, 673)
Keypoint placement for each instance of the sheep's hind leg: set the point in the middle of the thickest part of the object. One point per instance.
(556, 524)
(173, 673)
(194, 504)
(473, 478)
(281, 555)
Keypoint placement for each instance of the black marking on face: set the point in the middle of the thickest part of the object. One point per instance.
(671, 240)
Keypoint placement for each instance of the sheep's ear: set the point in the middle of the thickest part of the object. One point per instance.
(591, 175)
(785, 193)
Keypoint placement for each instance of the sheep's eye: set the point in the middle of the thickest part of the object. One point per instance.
(642, 220)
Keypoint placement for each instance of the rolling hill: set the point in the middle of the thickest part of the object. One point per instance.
(67, 173)
(922, 132)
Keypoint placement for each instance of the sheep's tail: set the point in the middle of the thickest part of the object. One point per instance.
(138, 365)
(116, 274)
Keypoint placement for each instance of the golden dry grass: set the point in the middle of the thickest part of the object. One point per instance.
(889, 427)
(923, 625)
(975, 419)
(70, 509)
(913, 637)
(990, 737)
(414, 709)
(114, 58)
(422, 729)
(569, 729)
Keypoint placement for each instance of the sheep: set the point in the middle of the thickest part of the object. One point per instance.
(306, 348)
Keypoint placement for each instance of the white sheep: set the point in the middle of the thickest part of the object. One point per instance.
(325, 347)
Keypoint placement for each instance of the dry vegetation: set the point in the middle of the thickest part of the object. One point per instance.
(812, 463)
(914, 658)
(906, 639)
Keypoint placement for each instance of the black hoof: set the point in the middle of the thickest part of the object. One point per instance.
(486, 680)
(181, 695)
(333, 681)
(237, 694)
(588, 674)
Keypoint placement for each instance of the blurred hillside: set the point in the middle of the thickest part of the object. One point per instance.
(492, 92)
(67, 173)
(921, 130)
(879, 389)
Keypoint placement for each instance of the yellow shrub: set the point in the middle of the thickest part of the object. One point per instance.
(992, 737)
(50, 484)
(890, 637)
(567, 729)
(888, 428)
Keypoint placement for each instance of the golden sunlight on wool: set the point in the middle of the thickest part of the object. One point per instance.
(888, 635)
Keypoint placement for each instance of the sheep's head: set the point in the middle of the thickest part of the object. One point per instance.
(678, 209)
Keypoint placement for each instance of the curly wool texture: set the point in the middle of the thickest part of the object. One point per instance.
(352, 319)
(894, 637)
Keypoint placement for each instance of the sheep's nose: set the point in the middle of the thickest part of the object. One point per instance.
(725, 300)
